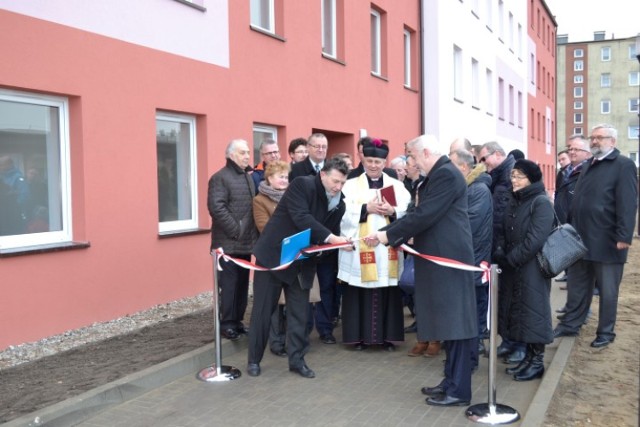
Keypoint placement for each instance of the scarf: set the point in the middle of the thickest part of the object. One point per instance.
(270, 192)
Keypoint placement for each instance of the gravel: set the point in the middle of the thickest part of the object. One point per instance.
(18, 354)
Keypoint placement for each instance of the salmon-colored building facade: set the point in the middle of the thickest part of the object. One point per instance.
(99, 102)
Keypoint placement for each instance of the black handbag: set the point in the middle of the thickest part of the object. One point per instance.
(562, 249)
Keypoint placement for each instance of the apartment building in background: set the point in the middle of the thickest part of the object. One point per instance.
(599, 82)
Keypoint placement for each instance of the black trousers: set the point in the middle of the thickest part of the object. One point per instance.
(457, 368)
(266, 292)
(233, 285)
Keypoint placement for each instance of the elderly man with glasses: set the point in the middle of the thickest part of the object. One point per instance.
(603, 211)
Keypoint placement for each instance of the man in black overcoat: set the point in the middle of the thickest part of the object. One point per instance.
(439, 225)
(603, 212)
(310, 202)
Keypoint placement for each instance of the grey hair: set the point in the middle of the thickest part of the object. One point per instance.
(316, 135)
(267, 141)
(492, 147)
(464, 157)
(613, 132)
(583, 139)
(233, 146)
(430, 142)
(399, 159)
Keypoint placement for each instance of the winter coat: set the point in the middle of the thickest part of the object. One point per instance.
(604, 207)
(230, 201)
(480, 217)
(500, 190)
(524, 307)
(564, 192)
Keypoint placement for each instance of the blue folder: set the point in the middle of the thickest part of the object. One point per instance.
(293, 244)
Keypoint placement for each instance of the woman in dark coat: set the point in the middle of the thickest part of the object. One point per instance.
(524, 299)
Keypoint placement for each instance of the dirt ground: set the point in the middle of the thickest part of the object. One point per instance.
(599, 387)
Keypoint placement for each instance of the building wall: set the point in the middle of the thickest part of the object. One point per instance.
(541, 62)
(496, 43)
(116, 84)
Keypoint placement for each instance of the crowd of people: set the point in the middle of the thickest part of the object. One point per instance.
(476, 205)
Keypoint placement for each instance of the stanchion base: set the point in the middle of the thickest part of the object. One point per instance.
(492, 414)
(211, 374)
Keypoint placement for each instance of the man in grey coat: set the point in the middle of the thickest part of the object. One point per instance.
(603, 211)
(230, 202)
(440, 227)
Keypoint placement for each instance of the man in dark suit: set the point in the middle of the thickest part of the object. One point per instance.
(603, 211)
(317, 146)
(313, 202)
(439, 225)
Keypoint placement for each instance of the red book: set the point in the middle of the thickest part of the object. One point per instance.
(389, 194)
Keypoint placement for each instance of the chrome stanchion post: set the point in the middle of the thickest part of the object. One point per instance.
(217, 372)
(492, 412)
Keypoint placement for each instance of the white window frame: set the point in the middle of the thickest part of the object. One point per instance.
(632, 51)
(633, 155)
(634, 78)
(633, 132)
(192, 185)
(578, 65)
(489, 91)
(578, 79)
(578, 118)
(605, 106)
(633, 101)
(578, 53)
(605, 54)
(270, 131)
(605, 80)
(475, 82)
(407, 57)
(578, 105)
(64, 235)
(376, 42)
(577, 130)
(577, 92)
(258, 8)
(458, 92)
(329, 32)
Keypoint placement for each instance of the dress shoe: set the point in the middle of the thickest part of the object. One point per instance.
(446, 400)
(433, 349)
(563, 288)
(280, 353)
(242, 330)
(253, 369)
(562, 309)
(558, 332)
(360, 346)
(503, 350)
(328, 339)
(230, 334)
(561, 316)
(562, 279)
(413, 328)
(418, 349)
(433, 391)
(515, 357)
(602, 341)
(481, 348)
(389, 346)
(303, 370)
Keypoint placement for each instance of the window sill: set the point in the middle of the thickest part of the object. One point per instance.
(267, 33)
(193, 5)
(180, 233)
(331, 58)
(379, 76)
(40, 249)
(409, 88)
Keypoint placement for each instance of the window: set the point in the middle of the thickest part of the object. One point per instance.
(578, 53)
(633, 105)
(511, 29)
(35, 169)
(500, 99)
(605, 80)
(261, 132)
(605, 106)
(457, 73)
(262, 15)
(520, 110)
(578, 65)
(512, 107)
(501, 20)
(578, 78)
(409, 71)
(577, 118)
(577, 92)
(519, 41)
(177, 182)
(577, 105)
(634, 156)
(489, 93)
(475, 83)
(605, 53)
(633, 132)
(489, 10)
(577, 131)
(633, 78)
(329, 28)
(632, 52)
(378, 48)
(475, 8)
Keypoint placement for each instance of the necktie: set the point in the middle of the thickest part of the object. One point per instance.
(317, 169)
(567, 172)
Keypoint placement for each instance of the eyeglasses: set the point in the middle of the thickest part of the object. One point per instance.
(484, 158)
(575, 150)
(518, 177)
(271, 153)
(318, 147)
(599, 138)
(300, 152)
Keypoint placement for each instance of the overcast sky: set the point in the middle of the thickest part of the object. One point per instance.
(580, 18)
